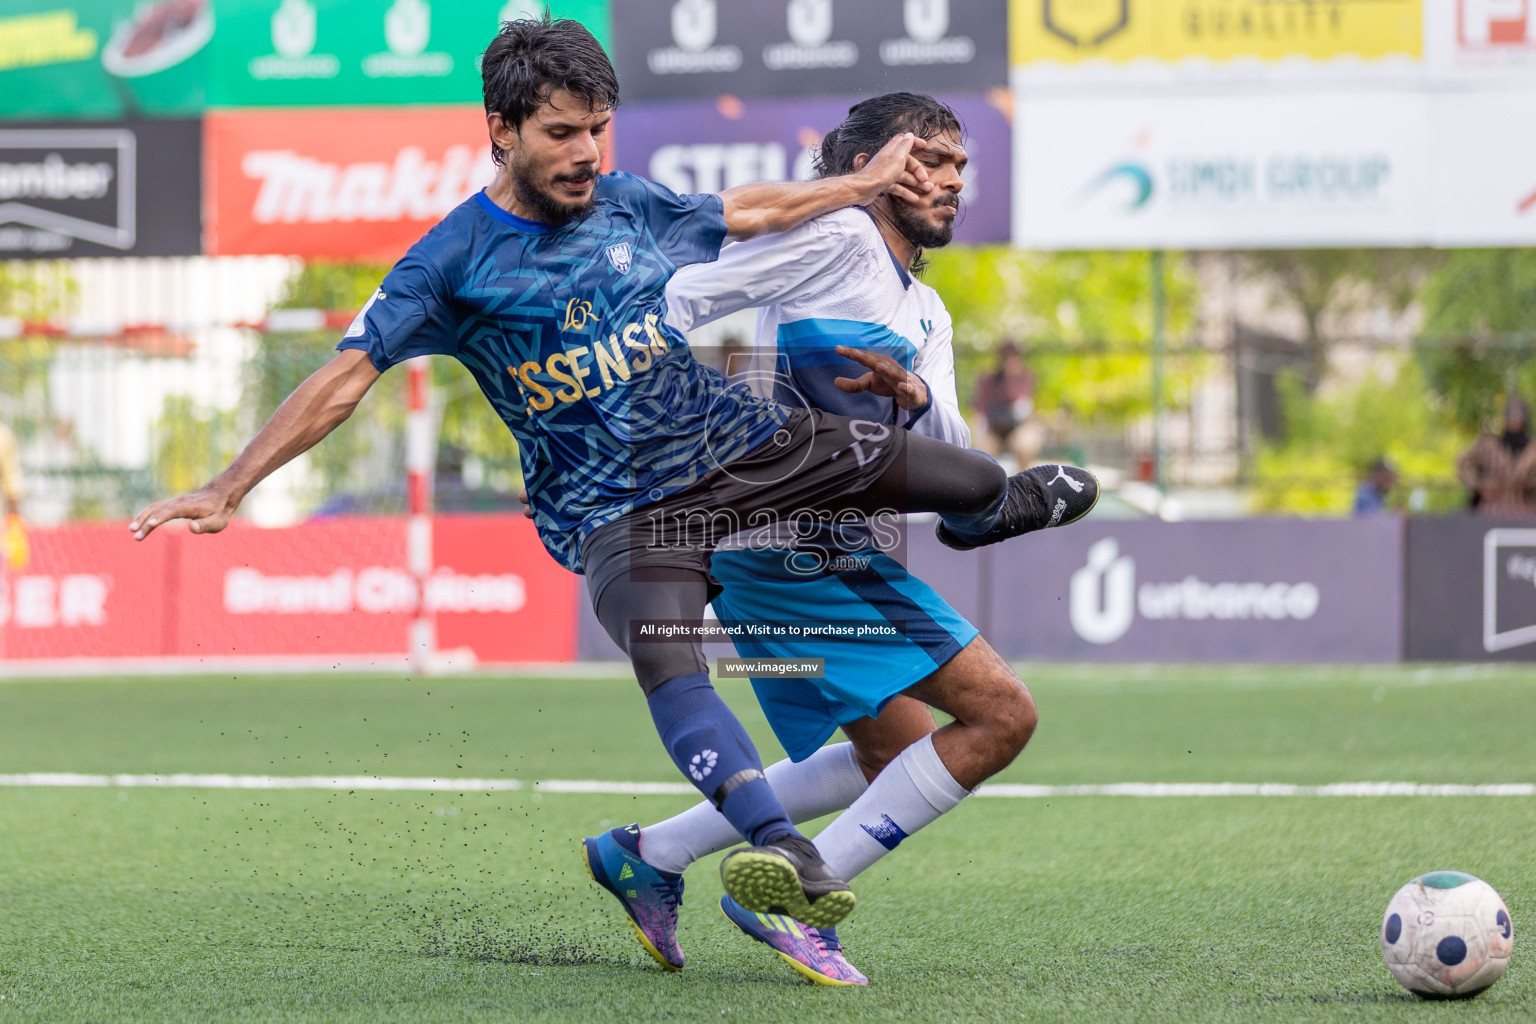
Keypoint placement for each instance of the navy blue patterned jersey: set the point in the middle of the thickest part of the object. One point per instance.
(565, 331)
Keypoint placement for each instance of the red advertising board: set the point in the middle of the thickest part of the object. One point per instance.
(332, 588)
(86, 592)
(340, 184)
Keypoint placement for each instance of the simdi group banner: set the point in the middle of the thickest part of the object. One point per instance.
(710, 145)
(327, 588)
(124, 58)
(342, 184)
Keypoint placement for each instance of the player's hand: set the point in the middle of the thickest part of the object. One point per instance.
(896, 171)
(208, 510)
(886, 378)
(522, 496)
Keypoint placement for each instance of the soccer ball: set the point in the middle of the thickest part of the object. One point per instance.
(1446, 935)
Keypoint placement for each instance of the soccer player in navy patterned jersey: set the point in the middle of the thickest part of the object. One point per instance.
(637, 459)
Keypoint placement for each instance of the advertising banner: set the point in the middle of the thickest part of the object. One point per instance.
(86, 592)
(1198, 172)
(1472, 40)
(673, 49)
(1485, 168)
(342, 52)
(127, 188)
(1471, 590)
(1251, 590)
(706, 146)
(327, 588)
(103, 58)
(1081, 40)
(344, 184)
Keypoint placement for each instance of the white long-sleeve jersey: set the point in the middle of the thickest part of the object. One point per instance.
(831, 281)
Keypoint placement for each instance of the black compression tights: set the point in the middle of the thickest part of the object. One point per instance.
(935, 476)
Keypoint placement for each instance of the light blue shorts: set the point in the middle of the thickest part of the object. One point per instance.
(862, 676)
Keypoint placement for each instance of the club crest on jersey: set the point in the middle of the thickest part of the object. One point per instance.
(621, 255)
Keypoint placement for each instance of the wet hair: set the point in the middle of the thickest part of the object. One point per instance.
(531, 58)
(870, 125)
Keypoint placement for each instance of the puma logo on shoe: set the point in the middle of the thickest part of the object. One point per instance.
(1061, 474)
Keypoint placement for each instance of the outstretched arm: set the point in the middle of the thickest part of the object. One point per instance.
(316, 407)
(756, 209)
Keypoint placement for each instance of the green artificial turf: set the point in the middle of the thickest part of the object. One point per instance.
(313, 905)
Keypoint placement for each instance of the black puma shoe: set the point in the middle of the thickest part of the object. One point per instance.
(1038, 498)
(787, 876)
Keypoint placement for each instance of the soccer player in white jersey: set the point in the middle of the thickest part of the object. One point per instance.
(838, 301)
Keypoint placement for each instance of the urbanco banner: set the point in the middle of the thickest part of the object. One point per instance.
(1231, 171)
(366, 52)
(710, 145)
(117, 188)
(1250, 590)
(1471, 590)
(675, 49)
(343, 183)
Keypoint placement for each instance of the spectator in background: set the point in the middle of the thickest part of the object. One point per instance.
(1005, 406)
(1500, 469)
(1371, 495)
(13, 536)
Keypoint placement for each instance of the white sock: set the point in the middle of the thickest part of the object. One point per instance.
(912, 791)
(829, 780)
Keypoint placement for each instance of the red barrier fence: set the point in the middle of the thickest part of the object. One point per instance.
(332, 588)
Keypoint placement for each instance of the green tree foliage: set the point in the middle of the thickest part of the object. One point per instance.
(1326, 286)
(1089, 313)
(353, 457)
(1479, 336)
(191, 445)
(1335, 435)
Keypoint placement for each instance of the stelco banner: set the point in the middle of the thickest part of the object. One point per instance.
(713, 145)
(1115, 40)
(691, 48)
(1252, 590)
(329, 588)
(1194, 172)
(126, 188)
(341, 184)
(1471, 590)
(121, 58)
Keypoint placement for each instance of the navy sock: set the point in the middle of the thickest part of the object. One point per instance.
(711, 748)
(974, 526)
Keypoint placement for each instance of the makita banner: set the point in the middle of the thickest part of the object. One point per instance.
(1471, 590)
(710, 145)
(124, 188)
(340, 184)
(1250, 590)
(665, 49)
(330, 588)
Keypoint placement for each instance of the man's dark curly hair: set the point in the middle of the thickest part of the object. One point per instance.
(531, 58)
(871, 124)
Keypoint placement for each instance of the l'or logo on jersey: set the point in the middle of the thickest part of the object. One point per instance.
(577, 315)
(621, 256)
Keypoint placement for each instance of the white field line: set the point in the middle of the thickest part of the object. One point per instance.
(1014, 790)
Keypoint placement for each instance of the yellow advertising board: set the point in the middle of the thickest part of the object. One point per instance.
(1070, 31)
